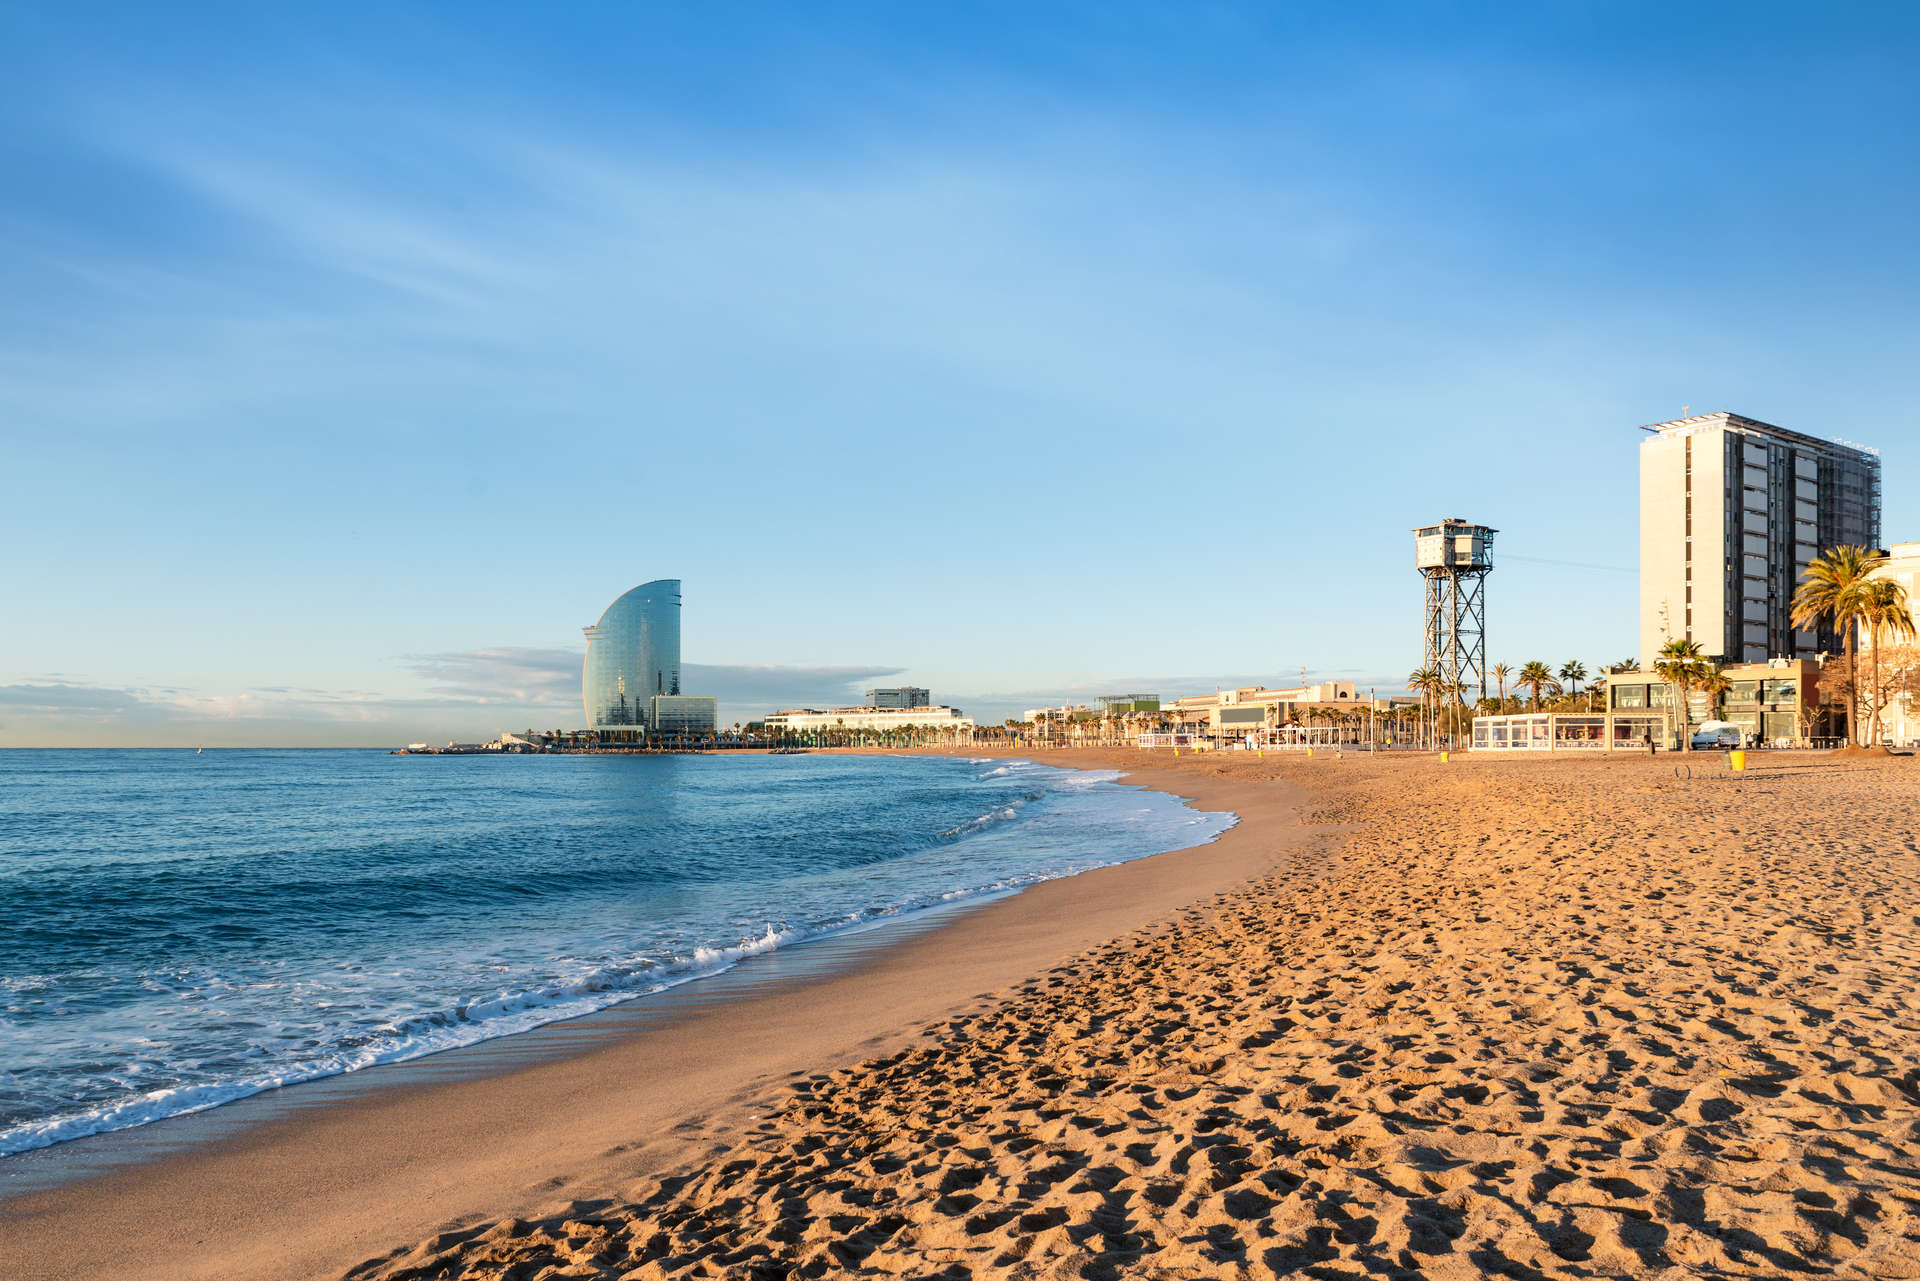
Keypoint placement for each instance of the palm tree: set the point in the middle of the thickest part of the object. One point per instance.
(1573, 671)
(1500, 673)
(1682, 665)
(1833, 590)
(1534, 677)
(1884, 608)
(1715, 684)
(1426, 682)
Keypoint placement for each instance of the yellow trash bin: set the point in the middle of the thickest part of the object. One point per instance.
(1737, 759)
(1443, 758)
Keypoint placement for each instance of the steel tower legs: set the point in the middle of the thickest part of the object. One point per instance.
(1456, 628)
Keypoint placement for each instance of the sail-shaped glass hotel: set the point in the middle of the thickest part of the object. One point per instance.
(633, 654)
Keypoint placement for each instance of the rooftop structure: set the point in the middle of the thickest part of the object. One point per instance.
(900, 696)
(1732, 510)
(1128, 704)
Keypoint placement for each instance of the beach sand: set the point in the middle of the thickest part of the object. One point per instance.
(1541, 1019)
(341, 1173)
(1527, 1018)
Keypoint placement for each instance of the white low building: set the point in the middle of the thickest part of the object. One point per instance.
(528, 739)
(806, 720)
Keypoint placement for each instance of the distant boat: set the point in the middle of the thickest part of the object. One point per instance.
(199, 751)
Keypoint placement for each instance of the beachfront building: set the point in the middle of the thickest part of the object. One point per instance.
(903, 696)
(1067, 723)
(1898, 671)
(1570, 732)
(1116, 720)
(1732, 510)
(681, 715)
(633, 653)
(935, 720)
(530, 741)
(630, 682)
(1775, 703)
(1255, 707)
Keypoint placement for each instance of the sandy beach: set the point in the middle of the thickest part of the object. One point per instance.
(323, 1186)
(1521, 1018)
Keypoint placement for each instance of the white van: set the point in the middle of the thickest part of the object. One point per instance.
(1715, 735)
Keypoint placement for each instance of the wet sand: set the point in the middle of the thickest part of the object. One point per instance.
(1536, 1019)
(319, 1188)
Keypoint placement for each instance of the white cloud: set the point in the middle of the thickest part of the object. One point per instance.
(550, 678)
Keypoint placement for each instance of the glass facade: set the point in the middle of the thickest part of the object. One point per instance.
(633, 654)
(907, 696)
(683, 714)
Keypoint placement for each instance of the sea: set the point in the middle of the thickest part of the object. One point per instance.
(180, 929)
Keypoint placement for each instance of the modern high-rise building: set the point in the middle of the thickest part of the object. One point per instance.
(633, 654)
(1732, 510)
(908, 696)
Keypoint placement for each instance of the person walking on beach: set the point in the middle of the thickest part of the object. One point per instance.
(1650, 747)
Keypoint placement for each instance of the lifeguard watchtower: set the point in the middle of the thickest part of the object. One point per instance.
(1455, 558)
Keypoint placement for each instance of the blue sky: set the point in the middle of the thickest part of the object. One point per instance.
(352, 359)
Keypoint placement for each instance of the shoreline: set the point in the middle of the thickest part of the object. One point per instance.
(243, 1101)
(1556, 1019)
(332, 1177)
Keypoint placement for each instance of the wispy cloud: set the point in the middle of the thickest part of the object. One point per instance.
(507, 674)
(59, 698)
(468, 694)
(550, 678)
(67, 713)
(516, 258)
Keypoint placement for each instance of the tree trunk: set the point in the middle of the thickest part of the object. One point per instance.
(1874, 691)
(1853, 689)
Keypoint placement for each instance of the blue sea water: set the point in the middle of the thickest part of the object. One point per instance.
(181, 930)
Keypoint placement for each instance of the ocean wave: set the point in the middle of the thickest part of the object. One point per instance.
(999, 814)
(1086, 835)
